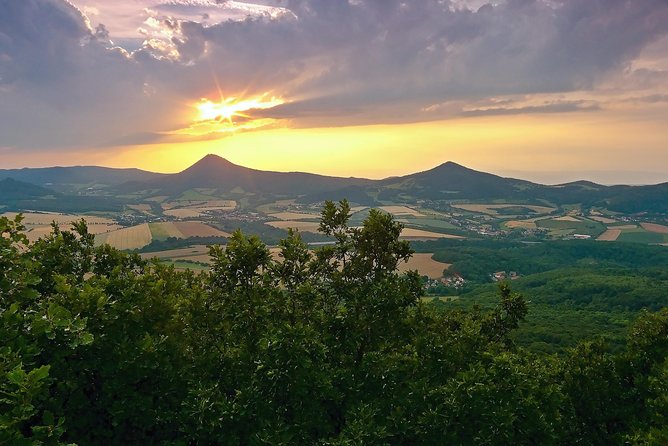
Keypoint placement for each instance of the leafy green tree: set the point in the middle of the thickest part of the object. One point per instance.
(295, 347)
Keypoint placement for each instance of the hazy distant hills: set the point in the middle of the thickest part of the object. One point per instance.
(220, 177)
(18, 195)
(68, 179)
(12, 190)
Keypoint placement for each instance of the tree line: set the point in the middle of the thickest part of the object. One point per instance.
(331, 347)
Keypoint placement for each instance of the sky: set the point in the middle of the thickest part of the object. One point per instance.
(546, 90)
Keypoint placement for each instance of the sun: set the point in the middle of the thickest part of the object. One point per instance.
(228, 109)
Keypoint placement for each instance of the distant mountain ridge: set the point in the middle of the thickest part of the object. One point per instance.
(448, 181)
(68, 178)
(215, 172)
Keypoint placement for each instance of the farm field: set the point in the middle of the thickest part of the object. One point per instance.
(610, 235)
(134, 237)
(184, 212)
(523, 224)
(294, 216)
(560, 228)
(640, 235)
(600, 219)
(623, 227)
(492, 209)
(417, 234)
(206, 204)
(39, 224)
(653, 227)
(162, 231)
(426, 222)
(198, 229)
(276, 206)
(45, 218)
(304, 226)
(425, 265)
(143, 208)
(401, 211)
(184, 229)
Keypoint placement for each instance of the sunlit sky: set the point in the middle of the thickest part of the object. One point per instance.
(546, 90)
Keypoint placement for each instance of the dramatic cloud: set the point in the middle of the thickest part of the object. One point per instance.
(64, 82)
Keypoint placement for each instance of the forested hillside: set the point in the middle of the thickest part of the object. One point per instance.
(331, 347)
(577, 289)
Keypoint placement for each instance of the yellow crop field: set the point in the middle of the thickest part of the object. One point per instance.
(567, 218)
(45, 218)
(610, 235)
(425, 265)
(420, 234)
(194, 209)
(162, 231)
(184, 229)
(653, 227)
(134, 237)
(524, 224)
(38, 224)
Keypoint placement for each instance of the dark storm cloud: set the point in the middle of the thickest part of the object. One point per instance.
(337, 61)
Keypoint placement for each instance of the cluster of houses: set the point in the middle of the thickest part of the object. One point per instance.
(452, 281)
(503, 275)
